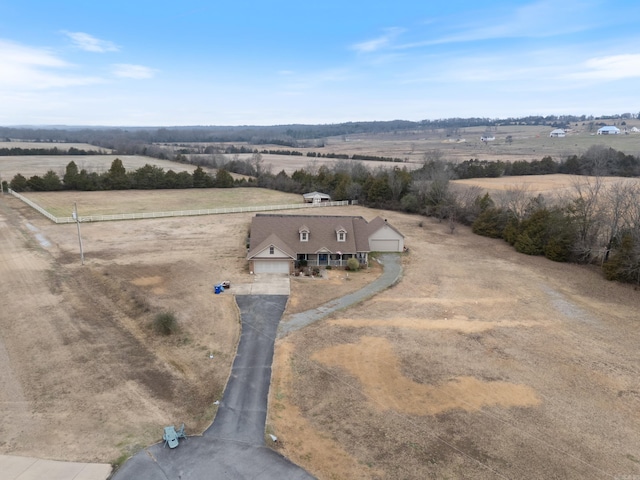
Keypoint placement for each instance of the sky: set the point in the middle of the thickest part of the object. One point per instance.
(197, 62)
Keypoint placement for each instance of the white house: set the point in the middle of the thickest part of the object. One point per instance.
(609, 130)
(487, 137)
(557, 133)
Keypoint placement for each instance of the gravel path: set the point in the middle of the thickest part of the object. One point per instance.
(392, 264)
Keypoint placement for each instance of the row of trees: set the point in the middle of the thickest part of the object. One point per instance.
(597, 160)
(117, 178)
(595, 223)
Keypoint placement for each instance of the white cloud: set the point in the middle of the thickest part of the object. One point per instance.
(538, 19)
(29, 68)
(138, 72)
(89, 43)
(378, 43)
(612, 67)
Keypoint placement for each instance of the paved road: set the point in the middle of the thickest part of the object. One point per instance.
(392, 264)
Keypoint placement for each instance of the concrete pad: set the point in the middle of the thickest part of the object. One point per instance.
(26, 468)
(263, 284)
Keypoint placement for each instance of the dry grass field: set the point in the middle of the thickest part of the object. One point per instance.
(50, 145)
(479, 363)
(60, 204)
(548, 185)
(29, 165)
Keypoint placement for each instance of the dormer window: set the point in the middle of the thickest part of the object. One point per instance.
(341, 234)
(304, 234)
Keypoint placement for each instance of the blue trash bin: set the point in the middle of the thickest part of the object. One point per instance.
(216, 289)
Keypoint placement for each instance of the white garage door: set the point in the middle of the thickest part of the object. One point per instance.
(385, 245)
(277, 266)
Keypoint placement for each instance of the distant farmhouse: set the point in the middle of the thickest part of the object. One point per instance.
(609, 130)
(487, 137)
(279, 242)
(557, 133)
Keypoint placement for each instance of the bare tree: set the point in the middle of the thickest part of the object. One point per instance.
(586, 210)
(515, 200)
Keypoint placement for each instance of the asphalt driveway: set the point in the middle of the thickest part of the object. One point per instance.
(234, 446)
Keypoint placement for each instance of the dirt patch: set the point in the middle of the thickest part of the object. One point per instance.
(155, 284)
(460, 323)
(375, 365)
(322, 453)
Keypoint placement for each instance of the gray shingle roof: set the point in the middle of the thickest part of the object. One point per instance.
(283, 231)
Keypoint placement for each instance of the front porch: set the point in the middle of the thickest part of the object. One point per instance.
(330, 259)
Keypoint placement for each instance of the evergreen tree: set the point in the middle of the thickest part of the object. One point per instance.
(18, 183)
(70, 178)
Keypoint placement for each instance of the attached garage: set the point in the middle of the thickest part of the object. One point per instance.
(385, 238)
(271, 266)
(379, 245)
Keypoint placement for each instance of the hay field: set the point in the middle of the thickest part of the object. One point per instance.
(29, 165)
(547, 185)
(50, 145)
(60, 204)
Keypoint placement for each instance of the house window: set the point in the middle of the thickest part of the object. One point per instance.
(341, 236)
(304, 236)
(272, 250)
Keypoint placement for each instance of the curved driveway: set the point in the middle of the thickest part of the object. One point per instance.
(233, 447)
(391, 274)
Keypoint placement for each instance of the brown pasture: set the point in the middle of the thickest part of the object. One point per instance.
(547, 185)
(479, 363)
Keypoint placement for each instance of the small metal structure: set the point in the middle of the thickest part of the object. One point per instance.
(170, 437)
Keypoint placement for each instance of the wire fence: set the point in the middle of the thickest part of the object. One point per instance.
(177, 213)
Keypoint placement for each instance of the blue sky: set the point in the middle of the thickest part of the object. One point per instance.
(144, 63)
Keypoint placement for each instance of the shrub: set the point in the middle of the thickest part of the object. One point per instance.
(353, 264)
(165, 323)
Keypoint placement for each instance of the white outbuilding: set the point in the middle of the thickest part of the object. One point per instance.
(609, 130)
(558, 132)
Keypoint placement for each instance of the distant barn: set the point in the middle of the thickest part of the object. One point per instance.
(609, 130)
(558, 133)
(316, 197)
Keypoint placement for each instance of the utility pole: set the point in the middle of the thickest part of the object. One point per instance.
(77, 218)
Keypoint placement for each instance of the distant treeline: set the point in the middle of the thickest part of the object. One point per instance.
(294, 135)
(18, 151)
